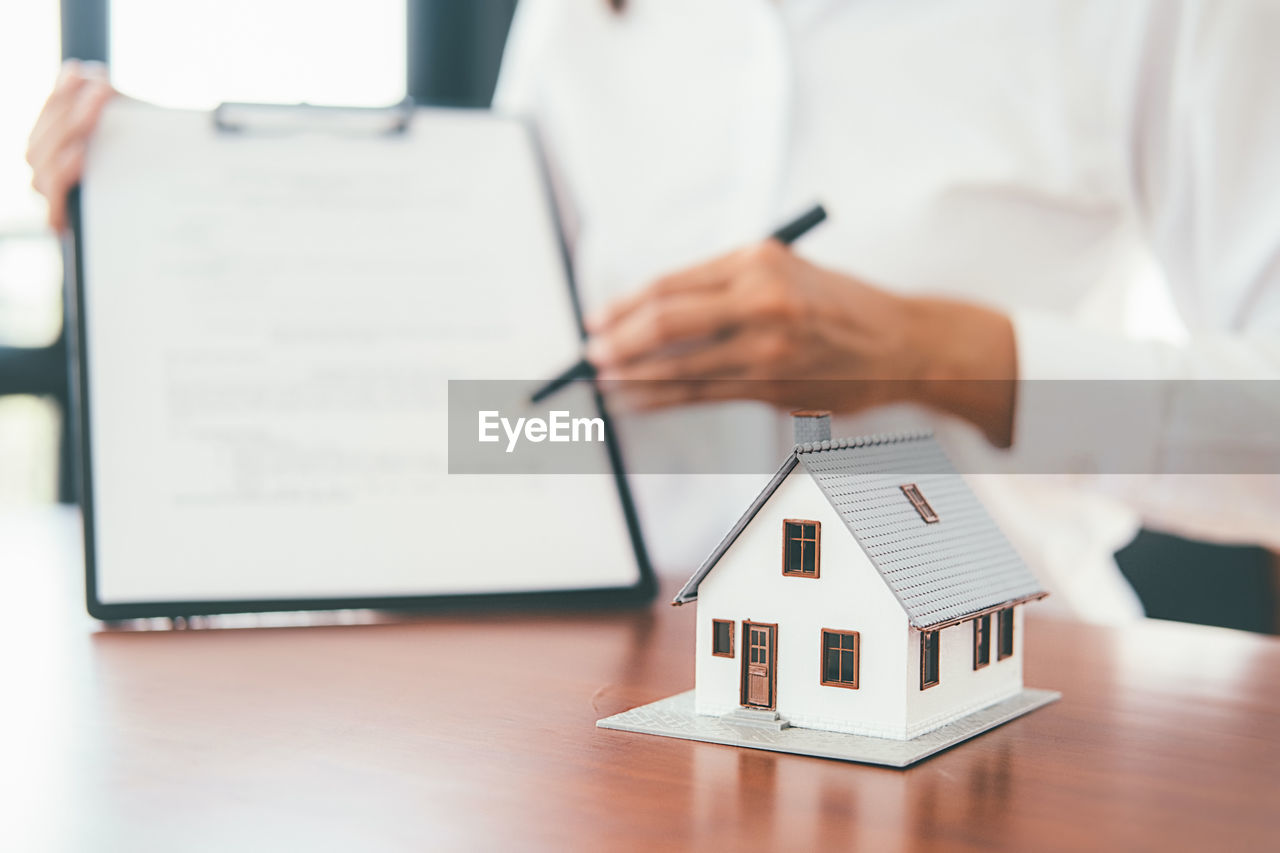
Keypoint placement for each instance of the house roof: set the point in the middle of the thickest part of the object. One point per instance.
(940, 573)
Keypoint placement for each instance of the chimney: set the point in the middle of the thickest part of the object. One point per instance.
(811, 425)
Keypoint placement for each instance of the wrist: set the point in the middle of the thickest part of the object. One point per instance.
(961, 359)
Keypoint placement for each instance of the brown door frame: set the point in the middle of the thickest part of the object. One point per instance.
(771, 665)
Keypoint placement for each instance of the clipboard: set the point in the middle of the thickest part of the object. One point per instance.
(103, 343)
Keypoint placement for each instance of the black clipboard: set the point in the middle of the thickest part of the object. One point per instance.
(392, 120)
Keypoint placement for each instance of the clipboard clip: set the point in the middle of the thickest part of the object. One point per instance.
(237, 117)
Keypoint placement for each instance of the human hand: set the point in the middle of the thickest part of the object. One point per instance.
(58, 142)
(764, 324)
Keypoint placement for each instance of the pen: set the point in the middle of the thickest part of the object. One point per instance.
(786, 235)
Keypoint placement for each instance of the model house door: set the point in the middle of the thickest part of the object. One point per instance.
(758, 675)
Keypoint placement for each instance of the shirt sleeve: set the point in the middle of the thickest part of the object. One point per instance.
(1204, 149)
(516, 92)
(522, 91)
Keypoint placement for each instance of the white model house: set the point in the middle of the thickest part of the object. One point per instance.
(866, 590)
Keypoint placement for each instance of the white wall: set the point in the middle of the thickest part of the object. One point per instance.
(960, 688)
(748, 584)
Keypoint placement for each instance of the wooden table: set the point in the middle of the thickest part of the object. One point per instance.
(478, 732)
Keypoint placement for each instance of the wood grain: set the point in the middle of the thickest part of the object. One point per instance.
(478, 732)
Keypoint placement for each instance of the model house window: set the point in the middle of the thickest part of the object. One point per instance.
(928, 659)
(840, 658)
(722, 638)
(981, 641)
(800, 548)
(912, 491)
(1006, 633)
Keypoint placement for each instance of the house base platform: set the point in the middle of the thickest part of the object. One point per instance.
(675, 717)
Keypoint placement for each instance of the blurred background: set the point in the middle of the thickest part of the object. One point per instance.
(192, 55)
(197, 53)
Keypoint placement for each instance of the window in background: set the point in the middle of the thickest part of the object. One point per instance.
(191, 54)
(198, 53)
(29, 52)
(29, 430)
(30, 284)
(30, 266)
(30, 316)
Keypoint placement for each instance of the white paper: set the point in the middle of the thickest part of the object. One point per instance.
(271, 323)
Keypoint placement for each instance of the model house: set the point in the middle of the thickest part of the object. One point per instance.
(866, 590)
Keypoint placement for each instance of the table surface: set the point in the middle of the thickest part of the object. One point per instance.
(478, 732)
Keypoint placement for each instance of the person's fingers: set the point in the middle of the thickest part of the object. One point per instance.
(650, 396)
(91, 68)
(57, 160)
(59, 177)
(73, 109)
(45, 172)
(724, 355)
(756, 349)
(663, 322)
(838, 395)
(56, 107)
(627, 396)
(710, 275)
(50, 127)
(87, 110)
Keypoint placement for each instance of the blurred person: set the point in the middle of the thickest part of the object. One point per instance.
(998, 173)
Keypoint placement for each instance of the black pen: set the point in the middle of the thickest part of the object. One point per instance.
(786, 235)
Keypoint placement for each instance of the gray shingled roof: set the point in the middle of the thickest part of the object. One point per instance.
(940, 572)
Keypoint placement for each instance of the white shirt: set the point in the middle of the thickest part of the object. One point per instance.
(1033, 155)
